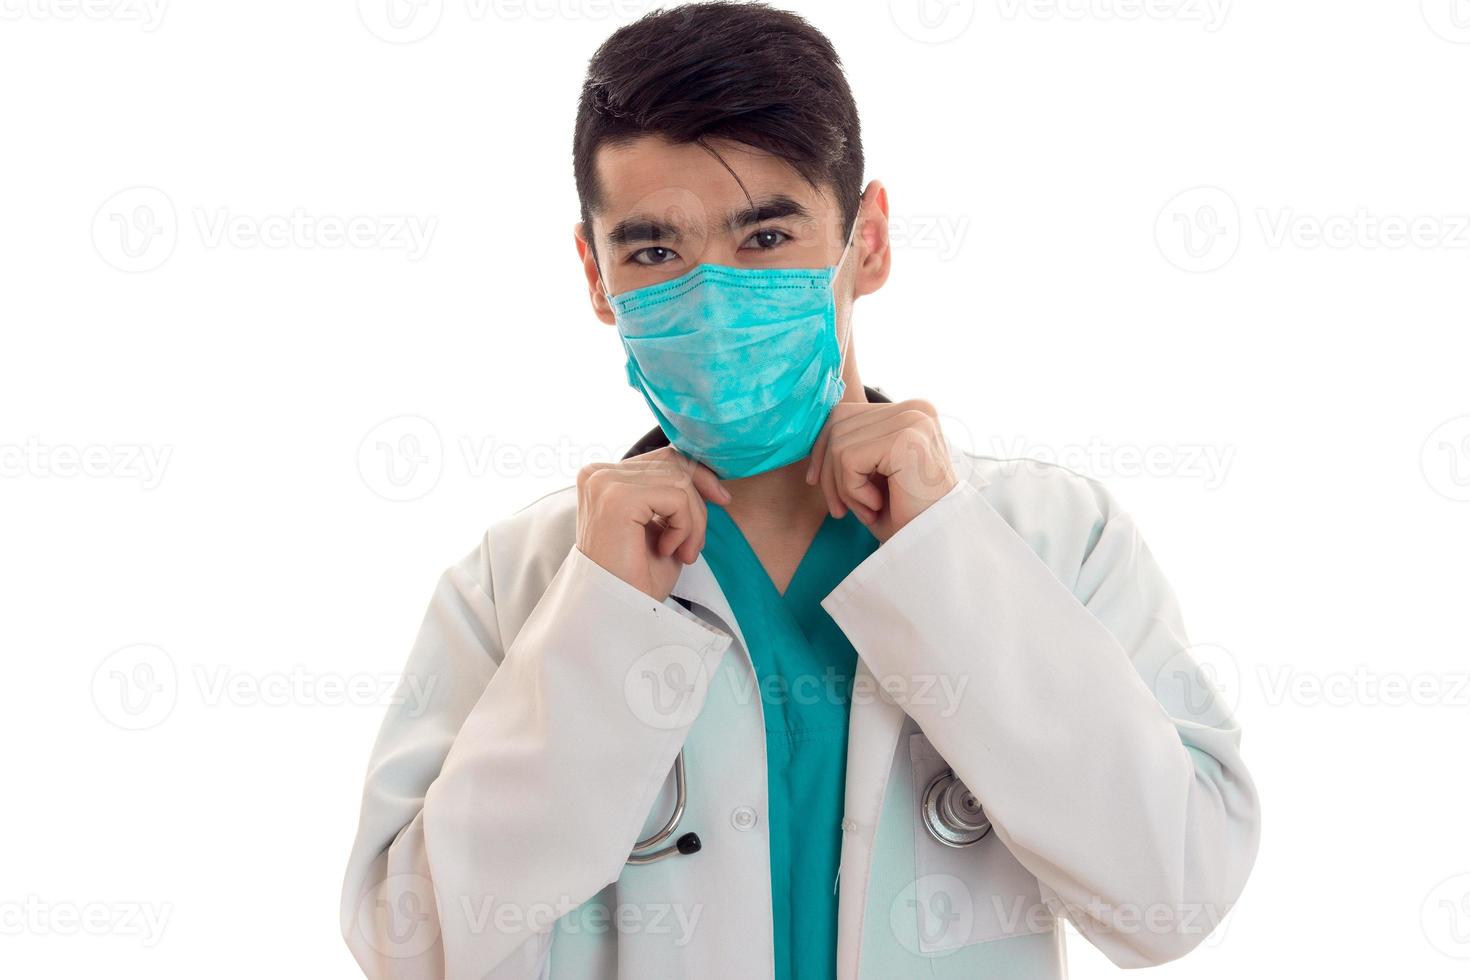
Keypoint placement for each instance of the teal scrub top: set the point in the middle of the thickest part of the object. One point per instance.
(804, 666)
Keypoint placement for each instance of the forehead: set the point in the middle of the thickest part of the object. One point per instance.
(684, 185)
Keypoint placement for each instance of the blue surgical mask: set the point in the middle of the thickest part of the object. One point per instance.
(740, 366)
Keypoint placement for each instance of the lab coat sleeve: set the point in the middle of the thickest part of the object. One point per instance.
(511, 791)
(1105, 759)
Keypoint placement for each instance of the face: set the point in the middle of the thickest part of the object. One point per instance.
(668, 207)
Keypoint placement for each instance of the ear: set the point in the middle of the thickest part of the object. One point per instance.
(875, 255)
(600, 304)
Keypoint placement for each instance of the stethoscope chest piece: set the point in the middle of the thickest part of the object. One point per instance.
(951, 813)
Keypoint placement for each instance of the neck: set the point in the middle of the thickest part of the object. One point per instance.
(782, 498)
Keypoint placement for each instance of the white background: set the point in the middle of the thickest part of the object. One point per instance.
(206, 436)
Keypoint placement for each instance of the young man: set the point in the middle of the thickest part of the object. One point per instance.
(909, 708)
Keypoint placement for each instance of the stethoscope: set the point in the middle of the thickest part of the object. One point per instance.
(949, 811)
(687, 844)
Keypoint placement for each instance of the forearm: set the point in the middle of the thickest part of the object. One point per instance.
(1117, 804)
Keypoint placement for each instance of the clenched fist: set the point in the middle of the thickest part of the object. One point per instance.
(885, 462)
(644, 517)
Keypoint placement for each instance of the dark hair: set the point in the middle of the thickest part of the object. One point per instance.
(742, 71)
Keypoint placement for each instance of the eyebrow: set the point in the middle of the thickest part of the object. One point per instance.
(641, 228)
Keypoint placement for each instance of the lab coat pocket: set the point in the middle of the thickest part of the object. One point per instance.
(967, 894)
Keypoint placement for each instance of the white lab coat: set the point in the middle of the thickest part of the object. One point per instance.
(1023, 635)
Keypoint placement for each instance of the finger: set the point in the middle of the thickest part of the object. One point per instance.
(855, 463)
(843, 414)
(692, 545)
(828, 480)
(819, 452)
(678, 525)
(658, 505)
(851, 481)
(708, 484)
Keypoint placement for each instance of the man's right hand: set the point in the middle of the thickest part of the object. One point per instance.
(644, 517)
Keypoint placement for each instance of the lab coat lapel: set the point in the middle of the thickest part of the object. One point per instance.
(872, 732)
(697, 584)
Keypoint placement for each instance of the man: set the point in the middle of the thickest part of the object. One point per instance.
(920, 705)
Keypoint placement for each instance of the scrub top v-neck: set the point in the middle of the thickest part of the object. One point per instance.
(804, 669)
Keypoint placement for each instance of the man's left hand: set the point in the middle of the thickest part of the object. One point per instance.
(886, 462)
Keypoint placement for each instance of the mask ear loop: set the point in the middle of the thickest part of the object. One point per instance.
(832, 285)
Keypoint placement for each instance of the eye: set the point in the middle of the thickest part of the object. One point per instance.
(653, 255)
(766, 238)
